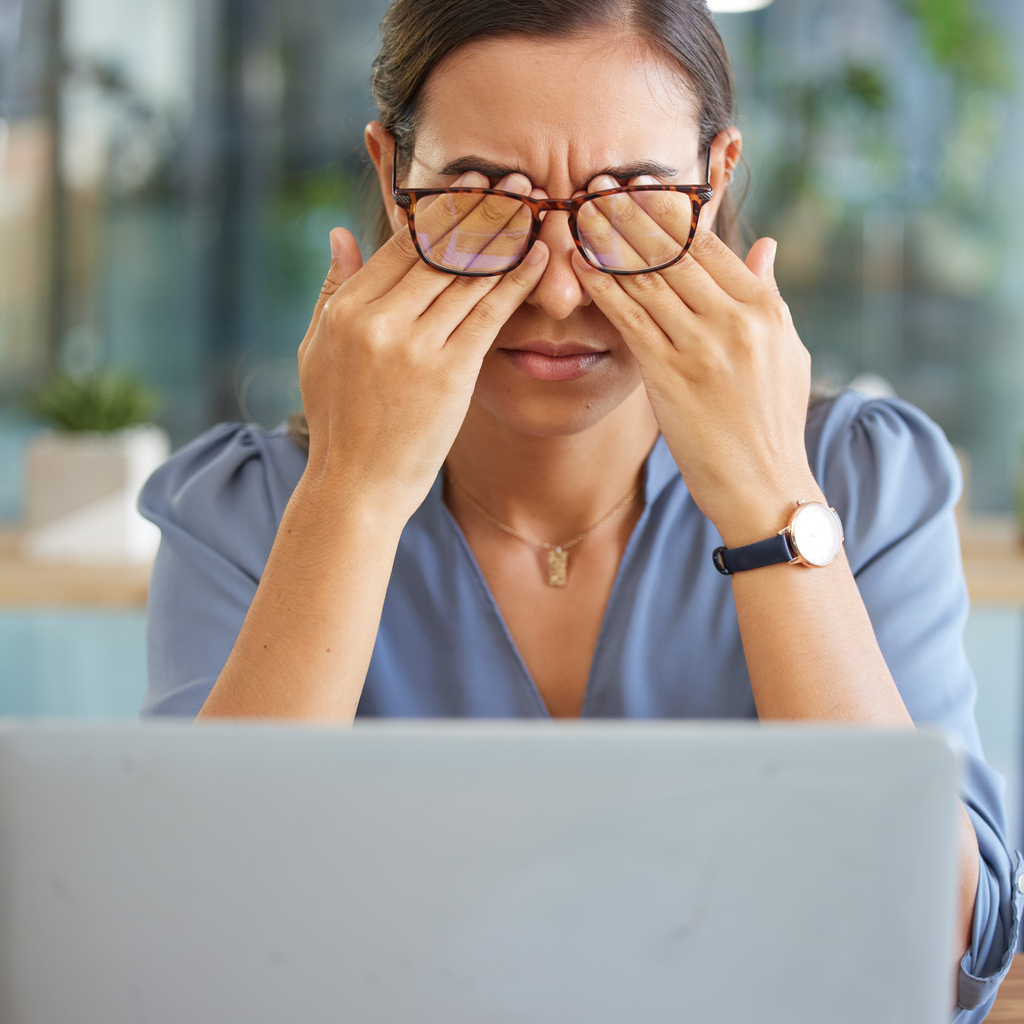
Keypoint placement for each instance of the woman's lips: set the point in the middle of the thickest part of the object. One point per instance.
(547, 366)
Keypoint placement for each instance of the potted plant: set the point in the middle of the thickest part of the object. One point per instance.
(85, 472)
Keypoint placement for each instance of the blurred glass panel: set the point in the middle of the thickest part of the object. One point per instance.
(885, 146)
(169, 171)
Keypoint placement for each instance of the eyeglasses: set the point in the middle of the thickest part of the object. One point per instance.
(482, 232)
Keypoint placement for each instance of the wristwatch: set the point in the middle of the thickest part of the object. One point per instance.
(813, 536)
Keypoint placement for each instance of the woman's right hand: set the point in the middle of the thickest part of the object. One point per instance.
(390, 360)
(387, 369)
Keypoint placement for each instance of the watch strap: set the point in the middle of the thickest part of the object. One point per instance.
(753, 556)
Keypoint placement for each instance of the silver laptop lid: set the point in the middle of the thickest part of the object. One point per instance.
(474, 872)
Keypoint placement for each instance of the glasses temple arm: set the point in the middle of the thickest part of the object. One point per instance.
(402, 199)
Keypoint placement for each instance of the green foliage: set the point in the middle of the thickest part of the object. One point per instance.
(969, 48)
(849, 110)
(963, 42)
(857, 98)
(866, 87)
(296, 224)
(105, 401)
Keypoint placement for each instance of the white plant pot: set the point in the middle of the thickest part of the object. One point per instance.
(82, 490)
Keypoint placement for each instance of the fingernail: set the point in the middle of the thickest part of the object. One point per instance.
(771, 254)
(515, 183)
(537, 253)
(603, 181)
(646, 179)
(335, 246)
(471, 179)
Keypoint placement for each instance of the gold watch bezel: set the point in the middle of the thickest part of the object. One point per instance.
(799, 558)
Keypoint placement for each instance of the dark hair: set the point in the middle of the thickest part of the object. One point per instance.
(419, 34)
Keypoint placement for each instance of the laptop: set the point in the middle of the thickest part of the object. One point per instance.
(410, 872)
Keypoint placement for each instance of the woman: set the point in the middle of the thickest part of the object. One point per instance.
(515, 483)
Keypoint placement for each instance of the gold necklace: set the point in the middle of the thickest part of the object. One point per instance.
(558, 554)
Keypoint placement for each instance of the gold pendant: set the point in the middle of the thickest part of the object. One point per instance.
(558, 567)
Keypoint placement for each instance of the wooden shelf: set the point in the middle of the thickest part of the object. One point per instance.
(28, 584)
(1009, 1008)
(993, 560)
(993, 563)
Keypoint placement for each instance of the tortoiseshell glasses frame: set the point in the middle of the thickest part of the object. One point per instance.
(406, 199)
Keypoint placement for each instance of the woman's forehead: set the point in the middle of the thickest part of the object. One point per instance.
(552, 107)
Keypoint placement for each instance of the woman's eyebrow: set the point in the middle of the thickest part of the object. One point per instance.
(493, 170)
(627, 171)
(488, 169)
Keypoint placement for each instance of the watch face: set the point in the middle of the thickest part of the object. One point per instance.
(816, 534)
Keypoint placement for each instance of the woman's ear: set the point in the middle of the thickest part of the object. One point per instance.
(380, 144)
(726, 149)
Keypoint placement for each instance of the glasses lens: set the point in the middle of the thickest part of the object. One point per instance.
(468, 232)
(635, 230)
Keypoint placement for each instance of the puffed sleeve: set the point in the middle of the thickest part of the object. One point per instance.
(218, 502)
(893, 478)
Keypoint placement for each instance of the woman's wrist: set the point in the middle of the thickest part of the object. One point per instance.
(755, 514)
(338, 502)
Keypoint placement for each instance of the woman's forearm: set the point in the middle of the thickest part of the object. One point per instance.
(305, 645)
(810, 648)
(386, 369)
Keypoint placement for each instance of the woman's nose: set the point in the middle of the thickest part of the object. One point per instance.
(559, 291)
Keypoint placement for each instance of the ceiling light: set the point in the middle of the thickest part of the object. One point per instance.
(737, 6)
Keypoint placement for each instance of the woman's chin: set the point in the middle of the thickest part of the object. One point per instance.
(554, 408)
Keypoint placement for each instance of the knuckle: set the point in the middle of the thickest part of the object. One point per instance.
(624, 209)
(598, 283)
(708, 364)
(524, 276)
(665, 205)
(472, 285)
(635, 318)
(404, 246)
(473, 289)
(337, 311)
(647, 284)
(328, 288)
(489, 312)
(519, 277)
(704, 242)
(375, 326)
(738, 325)
(711, 365)
(493, 212)
(777, 313)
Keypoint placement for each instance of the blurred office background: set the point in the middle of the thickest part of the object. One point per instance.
(170, 169)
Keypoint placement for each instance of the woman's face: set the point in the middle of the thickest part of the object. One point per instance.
(562, 112)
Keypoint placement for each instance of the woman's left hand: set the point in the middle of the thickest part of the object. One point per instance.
(727, 375)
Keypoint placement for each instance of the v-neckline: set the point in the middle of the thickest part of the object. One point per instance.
(500, 619)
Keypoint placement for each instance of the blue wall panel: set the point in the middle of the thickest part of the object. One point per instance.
(72, 663)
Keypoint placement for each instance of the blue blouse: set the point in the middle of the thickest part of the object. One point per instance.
(669, 645)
